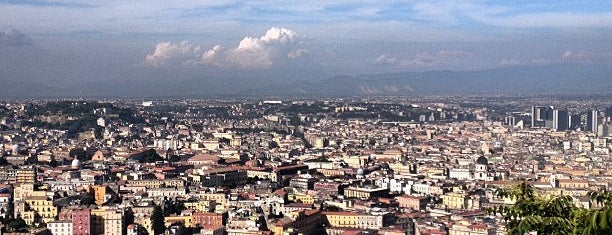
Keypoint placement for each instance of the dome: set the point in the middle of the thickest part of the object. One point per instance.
(482, 160)
(15, 148)
(360, 172)
(76, 163)
(384, 166)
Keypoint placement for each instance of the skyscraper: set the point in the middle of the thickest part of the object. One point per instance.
(574, 122)
(538, 115)
(592, 121)
(560, 120)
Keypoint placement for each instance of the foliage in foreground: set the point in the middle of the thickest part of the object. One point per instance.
(553, 215)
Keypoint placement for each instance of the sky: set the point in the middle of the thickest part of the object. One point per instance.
(72, 41)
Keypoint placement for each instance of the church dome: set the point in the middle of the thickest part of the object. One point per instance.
(76, 163)
(482, 160)
(360, 172)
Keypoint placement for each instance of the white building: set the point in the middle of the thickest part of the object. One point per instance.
(61, 227)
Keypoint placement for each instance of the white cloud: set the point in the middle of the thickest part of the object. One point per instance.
(167, 53)
(296, 54)
(581, 56)
(262, 52)
(423, 59)
(385, 59)
(276, 45)
(511, 62)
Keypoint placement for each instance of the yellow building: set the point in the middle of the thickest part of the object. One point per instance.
(341, 219)
(307, 199)
(28, 216)
(202, 205)
(353, 220)
(183, 219)
(271, 175)
(145, 222)
(217, 197)
(304, 222)
(455, 200)
(97, 220)
(43, 207)
(106, 221)
(355, 161)
(22, 191)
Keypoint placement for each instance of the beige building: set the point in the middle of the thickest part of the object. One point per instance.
(113, 221)
(467, 228)
(26, 176)
(60, 227)
(354, 192)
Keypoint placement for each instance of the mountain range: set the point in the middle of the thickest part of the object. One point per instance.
(560, 79)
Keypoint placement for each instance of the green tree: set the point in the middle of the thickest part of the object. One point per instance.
(128, 218)
(532, 212)
(555, 214)
(14, 225)
(158, 220)
(598, 220)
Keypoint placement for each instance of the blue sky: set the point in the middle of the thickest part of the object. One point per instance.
(334, 37)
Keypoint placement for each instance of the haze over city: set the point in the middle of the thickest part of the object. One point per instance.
(416, 117)
(73, 47)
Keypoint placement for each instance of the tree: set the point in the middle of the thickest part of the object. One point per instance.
(599, 220)
(158, 221)
(3, 162)
(128, 218)
(534, 213)
(555, 214)
(53, 162)
(17, 224)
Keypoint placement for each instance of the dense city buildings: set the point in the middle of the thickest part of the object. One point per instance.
(431, 165)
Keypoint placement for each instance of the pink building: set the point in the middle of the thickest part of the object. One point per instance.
(81, 219)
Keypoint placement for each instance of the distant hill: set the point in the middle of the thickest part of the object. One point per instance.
(553, 79)
(568, 79)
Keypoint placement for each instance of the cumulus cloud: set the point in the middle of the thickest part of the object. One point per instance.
(385, 59)
(262, 52)
(12, 37)
(536, 61)
(423, 59)
(167, 53)
(296, 54)
(276, 45)
(580, 56)
(511, 62)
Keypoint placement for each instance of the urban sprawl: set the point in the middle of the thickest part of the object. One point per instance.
(330, 166)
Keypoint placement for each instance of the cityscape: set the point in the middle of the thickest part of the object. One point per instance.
(302, 166)
(341, 117)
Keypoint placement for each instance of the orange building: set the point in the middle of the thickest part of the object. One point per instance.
(208, 220)
(412, 202)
